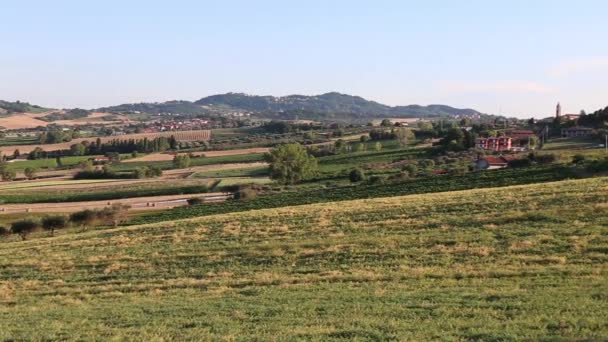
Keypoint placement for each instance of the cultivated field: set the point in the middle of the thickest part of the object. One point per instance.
(155, 157)
(200, 135)
(516, 263)
(136, 203)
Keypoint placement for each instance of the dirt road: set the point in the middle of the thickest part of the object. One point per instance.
(137, 204)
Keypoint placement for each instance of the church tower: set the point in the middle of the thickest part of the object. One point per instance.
(558, 111)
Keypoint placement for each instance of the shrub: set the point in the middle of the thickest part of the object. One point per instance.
(24, 227)
(411, 169)
(195, 201)
(522, 162)
(51, 223)
(114, 215)
(30, 172)
(8, 174)
(4, 231)
(356, 175)
(377, 180)
(245, 193)
(578, 159)
(83, 218)
(546, 158)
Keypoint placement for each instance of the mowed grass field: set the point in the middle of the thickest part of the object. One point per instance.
(516, 263)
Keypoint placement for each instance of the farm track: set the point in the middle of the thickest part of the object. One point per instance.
(136, 203)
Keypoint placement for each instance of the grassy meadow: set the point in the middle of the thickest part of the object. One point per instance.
(515, 263)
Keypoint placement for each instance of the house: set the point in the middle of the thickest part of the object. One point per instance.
(101, 160)
(495, 143)
(577, 131)
(494, 162)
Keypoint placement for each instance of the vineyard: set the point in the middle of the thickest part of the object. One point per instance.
(515, 263)
(496, 178)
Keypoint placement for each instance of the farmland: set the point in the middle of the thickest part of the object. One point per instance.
(199, 135)
(524, 263)
(315, 194)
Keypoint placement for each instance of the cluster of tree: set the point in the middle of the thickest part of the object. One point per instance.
(291, 163)
(181, 161)
(85, 148)
(597, 119)
(457, 139)
(535, 158)
(106, 172)
(57, 135)
(112, 215)
(25, 227)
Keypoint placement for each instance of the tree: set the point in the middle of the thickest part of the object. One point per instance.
(181, 161)
(7, 174)
(404, 136)
(340, 146)
(360, 147)
(291, 163)
(52, 223)
(87, 165)
(78, 149)
(386, 123)
(356, 175)
(24, 227)
(411, 169)
(30, 172)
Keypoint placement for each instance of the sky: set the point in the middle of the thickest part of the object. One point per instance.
(510, 57)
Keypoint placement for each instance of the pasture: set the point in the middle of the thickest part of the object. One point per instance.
(516, 263)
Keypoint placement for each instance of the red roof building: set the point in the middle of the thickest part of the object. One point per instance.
(495, 144)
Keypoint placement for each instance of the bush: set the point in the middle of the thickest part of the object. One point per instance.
(356, 175)
(245, 193)
(83, 218)
(51, 223)
(4, 231)
(195, 201)
(578, 159)
(114, 215)
(24, 227)
(377, 180)
(411, 169)
(546, 158)
(523, 162)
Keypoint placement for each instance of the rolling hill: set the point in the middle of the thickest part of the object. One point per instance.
(319, 107)
(8, 108)
(515, 263)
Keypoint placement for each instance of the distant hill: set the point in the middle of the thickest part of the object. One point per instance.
(173, 107)
(328, 106)
(7, 108)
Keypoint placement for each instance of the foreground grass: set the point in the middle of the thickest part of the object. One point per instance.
(522, 262)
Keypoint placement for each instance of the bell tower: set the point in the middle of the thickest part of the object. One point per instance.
(558, 111)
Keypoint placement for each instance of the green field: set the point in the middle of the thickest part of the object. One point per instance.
(242, 180)
(102, 193)
(15, 140)
(237, 172)
(49, 163)
(517, 263)
(25, 185)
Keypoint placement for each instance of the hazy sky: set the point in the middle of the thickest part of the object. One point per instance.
(519, 56)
